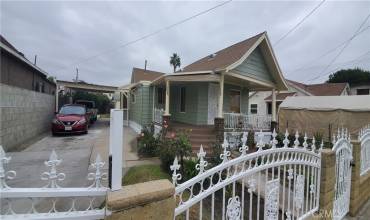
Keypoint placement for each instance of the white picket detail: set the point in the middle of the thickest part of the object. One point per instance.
(238, 121)
(343, 155)
(284, 178)
(364, 138)
(54, 191)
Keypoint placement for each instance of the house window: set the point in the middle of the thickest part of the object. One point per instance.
(133, 98)
(160, 96)
(269, 108)
(363, 92)
(253, 108)
(182, 99)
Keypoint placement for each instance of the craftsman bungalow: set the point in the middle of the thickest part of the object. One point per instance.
(209, 95)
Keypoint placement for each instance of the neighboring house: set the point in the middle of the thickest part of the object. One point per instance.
(209, 95)
(360, 89)
(27, 99)
(260, 102)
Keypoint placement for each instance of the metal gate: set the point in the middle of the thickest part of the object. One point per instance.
(44, 201)
(343, 154)
(271, 183)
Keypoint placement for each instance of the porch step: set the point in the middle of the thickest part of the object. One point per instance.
(198, 135)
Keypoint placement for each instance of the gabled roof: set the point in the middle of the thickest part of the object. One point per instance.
(228, 59)
(323, 89)
(144, 75)
(281, 96)
(223, 58)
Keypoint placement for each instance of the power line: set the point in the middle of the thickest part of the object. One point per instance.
(299, 23)
(148, 35)
(328, 52)
(343, 48)
(358, 59)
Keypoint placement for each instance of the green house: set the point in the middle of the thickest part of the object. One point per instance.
(210, 95)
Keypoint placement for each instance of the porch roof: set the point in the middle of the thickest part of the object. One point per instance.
(210, 76)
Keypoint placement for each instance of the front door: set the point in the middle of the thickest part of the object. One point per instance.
(235, 101)
(213, 93)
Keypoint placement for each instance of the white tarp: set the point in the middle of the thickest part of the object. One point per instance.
(324, 114)
(328, 103)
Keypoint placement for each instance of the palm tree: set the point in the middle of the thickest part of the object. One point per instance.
(175, 61)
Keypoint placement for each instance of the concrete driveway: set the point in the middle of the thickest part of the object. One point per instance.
(77, 153)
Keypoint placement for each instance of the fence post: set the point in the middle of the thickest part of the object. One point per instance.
(327, 184)
(115, 148)
(355, 199)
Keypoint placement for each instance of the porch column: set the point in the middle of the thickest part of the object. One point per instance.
(167, 107)
(273, 109)
(221, 97)
(219, 121)
(166, 116)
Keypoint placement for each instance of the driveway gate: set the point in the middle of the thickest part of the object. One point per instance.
(271, 183)
(343, 153)
(52, 194)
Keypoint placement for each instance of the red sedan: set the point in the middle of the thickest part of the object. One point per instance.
(70, 119)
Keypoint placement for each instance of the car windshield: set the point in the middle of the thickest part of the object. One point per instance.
(72, 110)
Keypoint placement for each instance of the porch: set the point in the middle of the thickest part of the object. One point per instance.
(200, 99)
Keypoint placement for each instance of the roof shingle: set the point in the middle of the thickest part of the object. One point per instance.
(144, 75)
(224, 57)
(323, 89)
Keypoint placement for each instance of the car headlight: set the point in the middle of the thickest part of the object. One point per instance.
(82, 121)
(56, 121)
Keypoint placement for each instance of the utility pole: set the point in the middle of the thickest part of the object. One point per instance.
(35, 62)
(76, 74)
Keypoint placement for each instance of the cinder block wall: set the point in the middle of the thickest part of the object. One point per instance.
(24, 114)
(360, 185)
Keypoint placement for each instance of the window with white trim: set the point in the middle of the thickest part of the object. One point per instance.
(253, 108)
(182, 99)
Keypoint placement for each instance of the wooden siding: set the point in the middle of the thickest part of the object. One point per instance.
(16, 73)
(244, 99)
(196, 108)
(255, 66)
(141, 110)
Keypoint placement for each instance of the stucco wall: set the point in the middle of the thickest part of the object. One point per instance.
(24, 114)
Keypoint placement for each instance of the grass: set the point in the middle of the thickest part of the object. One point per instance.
(144, 173)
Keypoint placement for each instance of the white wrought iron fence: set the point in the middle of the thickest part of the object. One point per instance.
(364, 138)
(158, 113)
(271, 183)
(343, 157)
(238, 121)
(53, 192)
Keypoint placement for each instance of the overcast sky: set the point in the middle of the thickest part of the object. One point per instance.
(64, 33)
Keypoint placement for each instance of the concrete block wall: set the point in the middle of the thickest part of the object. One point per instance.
(360, 185)
(24, 114)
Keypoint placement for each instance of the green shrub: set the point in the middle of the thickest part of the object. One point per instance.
(189, 169)
(167, 154)
(148, 143)
(177, 145)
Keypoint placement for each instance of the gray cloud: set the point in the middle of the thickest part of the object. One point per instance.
(62, 33)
